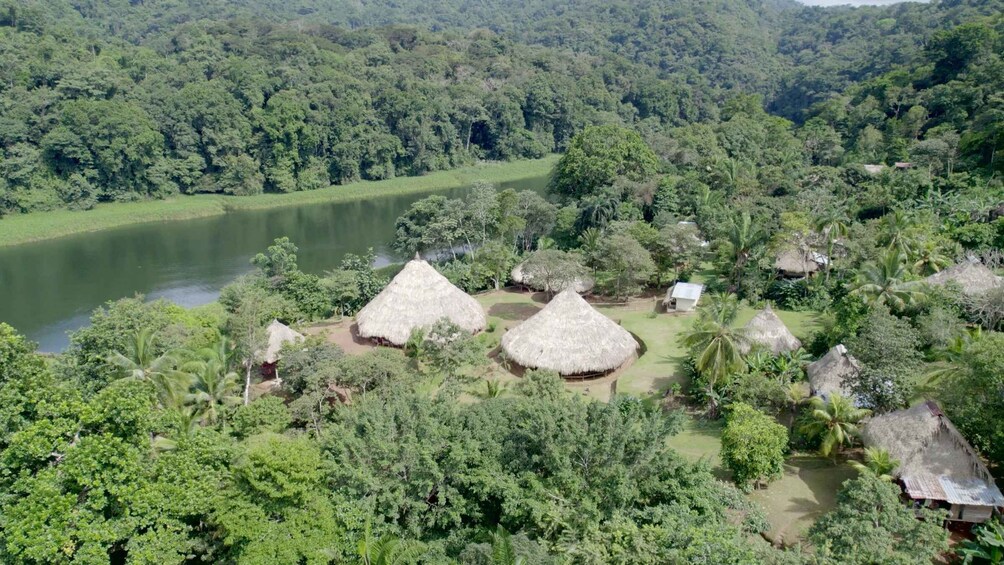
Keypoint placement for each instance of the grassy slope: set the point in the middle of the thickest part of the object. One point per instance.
(58, 223)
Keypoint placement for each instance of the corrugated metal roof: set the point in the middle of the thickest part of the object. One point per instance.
(687, 291)
(923, 486)
(973, 492)
(970, 492)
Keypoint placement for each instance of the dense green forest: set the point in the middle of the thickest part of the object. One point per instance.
(120, 101)
(700, 141)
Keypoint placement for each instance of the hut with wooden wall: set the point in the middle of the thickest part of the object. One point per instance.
(937, 466)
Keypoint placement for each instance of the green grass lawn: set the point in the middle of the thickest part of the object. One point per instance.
(810, 483)
(57, 223)
(807, 490)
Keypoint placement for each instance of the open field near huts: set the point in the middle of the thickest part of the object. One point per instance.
(809, 485)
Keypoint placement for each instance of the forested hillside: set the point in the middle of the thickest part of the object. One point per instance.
(119, 101)
(833, 177)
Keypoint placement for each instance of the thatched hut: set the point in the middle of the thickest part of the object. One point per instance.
(768, 330)
(830, 372)
(937, 466)
(418, 297)
(581, 285)
(278, 335)
(971, 276)
(683, 297)
(798, 263)
(569, 336)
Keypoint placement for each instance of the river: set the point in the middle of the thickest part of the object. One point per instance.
(50, 288)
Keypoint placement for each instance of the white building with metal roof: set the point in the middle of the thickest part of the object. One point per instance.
(683, 297)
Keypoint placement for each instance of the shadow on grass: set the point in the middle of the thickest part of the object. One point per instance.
(514, 312)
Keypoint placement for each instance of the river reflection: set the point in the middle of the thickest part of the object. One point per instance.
(49, 288)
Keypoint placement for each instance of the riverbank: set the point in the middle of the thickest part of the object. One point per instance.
(38, 226)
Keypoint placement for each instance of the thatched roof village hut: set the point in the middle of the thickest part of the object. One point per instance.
(418, 297)
(278, 335)
(798, 263)
(973, 277)
(769, 331)
(569, 336)
(937, 466)
(683, 297)
(830, 373)
(581, 284)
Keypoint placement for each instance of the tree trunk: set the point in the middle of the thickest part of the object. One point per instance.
(247, 385)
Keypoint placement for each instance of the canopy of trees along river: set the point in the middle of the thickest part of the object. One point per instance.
(828, 180)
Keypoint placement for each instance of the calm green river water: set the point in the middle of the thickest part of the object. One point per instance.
(50, 287)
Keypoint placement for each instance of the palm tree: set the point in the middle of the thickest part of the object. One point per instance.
(503, 551)
(833, 225)
(835, 422)
(877, 462)
(601, 208)
(187, 419)
(590, 240)
(884, 282)
(214, 388)
(140, 362)
(949, 361)
(795, 395)
(788, 364)
(930, 258)
(744, 238)
(388, 550)
(716, 345)
(895, 227)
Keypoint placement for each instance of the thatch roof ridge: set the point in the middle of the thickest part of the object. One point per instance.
(828, 374)
(571, 337)
(418, 297)
(581, 284)
(974, 277)
(768, 330)
(278, 335)
(926, 442)
(796, 261)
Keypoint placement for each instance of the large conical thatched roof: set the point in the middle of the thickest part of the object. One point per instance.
(768, 330)
(279, 334)
(581, 284)
(569, 336)
(418, 297)
(971, 276)
(935, 460)
(828, 374)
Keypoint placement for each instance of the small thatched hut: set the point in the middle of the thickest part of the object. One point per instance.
(768, 330)
(973, 277)
(569, 336)
(937, 466)
(418, 297)
(830, 372)
(797, 263)
(278, 334)
(581, 285)
(683, 297)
